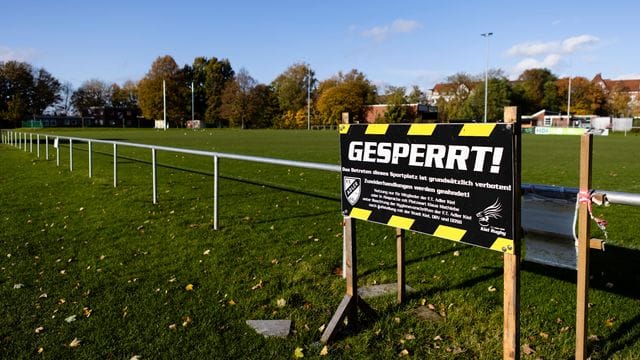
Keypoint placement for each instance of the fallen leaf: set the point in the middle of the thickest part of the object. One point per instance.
(61, 301)
(544, 335)
(81, 209)
(403, 353)
(40, 350)
(564, 329)
(437, 338)
(257, 286)
(70, 319)
(86, 312)
(491, 288)
(297, 353)
(39, 329)
(206, 252)
(136, 357)
(456, 253)
(42, 296)
(423, 302)
(274, 261)
(609, 322)
(231, 302)
(431, 307)
(172, 327)
(281, 303)
(594, 338)
(321, 328)
(74, 343)
(609, 285)
(189, 287)
(397, 320)
(324, 351)
(18, 286)
(409, 337)
(527, 349)
(186, 321)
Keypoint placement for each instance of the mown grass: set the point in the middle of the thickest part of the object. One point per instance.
(77, 243)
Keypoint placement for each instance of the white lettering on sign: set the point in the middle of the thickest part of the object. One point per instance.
(452, 157)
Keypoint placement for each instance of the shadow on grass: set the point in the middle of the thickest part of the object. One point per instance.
(226, 177)
(615, 270)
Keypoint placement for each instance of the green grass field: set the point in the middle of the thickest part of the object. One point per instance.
(80, 259)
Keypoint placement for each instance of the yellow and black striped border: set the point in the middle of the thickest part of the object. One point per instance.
(466, 130)
(442, 231)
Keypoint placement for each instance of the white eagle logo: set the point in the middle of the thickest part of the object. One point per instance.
(490, 212)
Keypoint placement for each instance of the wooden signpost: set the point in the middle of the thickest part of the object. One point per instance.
(584, 240)
(459, 182)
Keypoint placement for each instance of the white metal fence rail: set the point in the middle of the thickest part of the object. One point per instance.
(20, 141)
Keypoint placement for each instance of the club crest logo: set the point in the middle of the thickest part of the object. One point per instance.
(352, 189)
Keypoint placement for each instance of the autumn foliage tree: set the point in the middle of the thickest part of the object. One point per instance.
(349, 92)
(150, 95)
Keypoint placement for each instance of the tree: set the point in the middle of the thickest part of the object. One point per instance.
(217, 74)
(618, 103)
(416, 96)
(46, 91)
(531, 88)
(125, 96)
(586, 97)
(396, 101)
(64, 105)
(92, 93)
(499, 96)
(25, 91)
(349, 92)
(459, 88)
(262, 107)
(291, 87)
(235, 98)
(150, 94)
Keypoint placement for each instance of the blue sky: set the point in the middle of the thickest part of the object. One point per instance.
(398, 43)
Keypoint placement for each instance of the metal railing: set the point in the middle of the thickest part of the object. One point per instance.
(19, 140)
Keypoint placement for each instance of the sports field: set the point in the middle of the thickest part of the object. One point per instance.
(82, 260)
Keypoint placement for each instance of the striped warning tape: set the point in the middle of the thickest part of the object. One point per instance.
(442, 231)
(467, 130)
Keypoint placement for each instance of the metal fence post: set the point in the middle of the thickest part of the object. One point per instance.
(46, 147)
(25, 142)
(154, 175)
(38, 144)
(70, 155)
(90, 162)
(215, 193)
(115, 165)
(57, 140)
(30, 142)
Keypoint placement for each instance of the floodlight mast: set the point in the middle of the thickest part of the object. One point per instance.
(164, 104)
(486, 75)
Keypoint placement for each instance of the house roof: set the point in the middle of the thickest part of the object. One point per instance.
(624, 85)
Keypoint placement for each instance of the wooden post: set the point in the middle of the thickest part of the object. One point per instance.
(584, 235)
(511, 295)
(400, 233)
(351, 301)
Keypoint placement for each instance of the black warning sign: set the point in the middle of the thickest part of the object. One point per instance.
(454, 181)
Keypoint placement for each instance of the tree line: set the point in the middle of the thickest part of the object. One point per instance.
(209, 89)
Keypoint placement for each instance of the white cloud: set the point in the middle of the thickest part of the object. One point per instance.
(549, 54)
(381, 33)
(9, 54)
(550, 61)
(566, 46)
(576, 43)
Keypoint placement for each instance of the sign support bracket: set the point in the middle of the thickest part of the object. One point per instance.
(351, 302)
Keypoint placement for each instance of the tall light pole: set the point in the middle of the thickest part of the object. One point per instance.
(569, 103)
(192, 108)
(164, 104)
(486, 75)
(308, 97)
